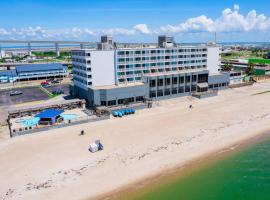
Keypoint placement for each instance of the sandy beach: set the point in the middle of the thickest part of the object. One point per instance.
(57, 164)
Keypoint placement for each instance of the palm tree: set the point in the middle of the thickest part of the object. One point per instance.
(250, 69)
(227, 67)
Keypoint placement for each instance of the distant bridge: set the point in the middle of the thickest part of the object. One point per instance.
(56, 44)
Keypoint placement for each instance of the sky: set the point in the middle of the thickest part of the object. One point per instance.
(136, 20)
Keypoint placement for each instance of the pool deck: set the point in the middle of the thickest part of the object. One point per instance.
(16, 125)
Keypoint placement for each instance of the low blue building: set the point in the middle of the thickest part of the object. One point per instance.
(50, 116)
(7, 76)
(34, 72)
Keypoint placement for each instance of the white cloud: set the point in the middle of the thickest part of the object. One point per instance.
(229, 21)
(118, 31)
(142, 28)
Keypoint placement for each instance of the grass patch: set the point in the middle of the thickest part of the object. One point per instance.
(259, 61)
(50, 95)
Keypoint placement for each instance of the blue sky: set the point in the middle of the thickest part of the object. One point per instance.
(135, 20)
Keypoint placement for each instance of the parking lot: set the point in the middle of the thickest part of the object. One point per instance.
(29, 94)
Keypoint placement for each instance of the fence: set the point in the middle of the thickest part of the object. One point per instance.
(261, 78)
(66, 123)
(241, 84)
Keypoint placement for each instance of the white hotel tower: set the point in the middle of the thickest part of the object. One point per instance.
(112, 74)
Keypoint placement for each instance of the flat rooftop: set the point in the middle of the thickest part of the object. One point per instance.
(117, 86)
(40, 67)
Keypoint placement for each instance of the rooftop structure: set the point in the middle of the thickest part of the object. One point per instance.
(50, 113)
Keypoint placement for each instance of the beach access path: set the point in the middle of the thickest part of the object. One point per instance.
(57, 164)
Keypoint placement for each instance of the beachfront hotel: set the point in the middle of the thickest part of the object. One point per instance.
(113, 74)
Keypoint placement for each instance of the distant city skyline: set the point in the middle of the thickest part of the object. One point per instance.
(136, 21)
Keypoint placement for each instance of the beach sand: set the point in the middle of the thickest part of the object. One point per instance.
(57, 164)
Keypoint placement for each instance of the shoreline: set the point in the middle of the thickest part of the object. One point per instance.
(58, 165)
(182, 170)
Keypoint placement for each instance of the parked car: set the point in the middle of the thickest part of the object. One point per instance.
(14, 93)
(58, 91)
(44, 83)
(56, 81)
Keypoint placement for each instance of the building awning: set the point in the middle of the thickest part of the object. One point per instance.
(202, 85)
(50, 113)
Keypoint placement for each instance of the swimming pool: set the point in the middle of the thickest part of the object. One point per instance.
(29, 122)
(69, 116)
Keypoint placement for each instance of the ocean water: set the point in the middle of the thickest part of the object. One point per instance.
(244, 175)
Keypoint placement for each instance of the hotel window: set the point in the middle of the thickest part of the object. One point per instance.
(121, 73)
(160, 93)
(152, 83)
(121, 66)
(88, 55)
(89, 76)
(187, 89)
(129, 66)
(89, 83)
(121, 53)
(160, 82)
(120, 101)
(89, 62)
(103, 103)
(187, 79)
(167, 81)
(89, 69)
(153, 94)
(112, 103)
(138, 78)
(194, 78)
(174, 91)
(138, 72)
(174, 80)
(121, 60)
(193, 88)
(129, 72)
(161, 70)
(146, 71)
(139, 99)
(167, 92)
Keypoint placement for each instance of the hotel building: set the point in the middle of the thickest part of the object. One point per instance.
(113, 74)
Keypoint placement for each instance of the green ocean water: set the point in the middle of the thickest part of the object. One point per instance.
(244, 175)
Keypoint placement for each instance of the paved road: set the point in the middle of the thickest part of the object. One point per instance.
(29, 94)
